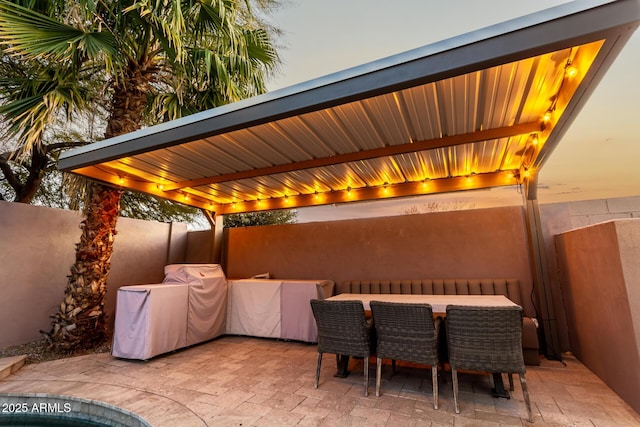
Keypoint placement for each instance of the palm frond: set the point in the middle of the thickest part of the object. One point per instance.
(162, 19)
(36, 96)
(260, 49)
(27, 32)
(213, 17)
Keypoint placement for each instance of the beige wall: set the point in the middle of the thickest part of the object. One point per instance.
(601, 287)
(200, 247)
(37, 248)
(557, 218)
(140, 251)
(483, 243)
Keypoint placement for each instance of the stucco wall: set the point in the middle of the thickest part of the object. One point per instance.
(557, 218)
(200, 247)
(483, 243)
(601, 286)
(37, 248)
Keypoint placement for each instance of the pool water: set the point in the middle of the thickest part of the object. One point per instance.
(37, 420)
(44, 410)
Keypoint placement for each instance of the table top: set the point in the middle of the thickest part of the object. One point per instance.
(438, 303)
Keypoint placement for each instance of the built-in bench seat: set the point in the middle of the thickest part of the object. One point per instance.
(507, 287)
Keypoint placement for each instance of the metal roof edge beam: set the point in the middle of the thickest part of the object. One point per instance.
(145, 187)
(597, 71)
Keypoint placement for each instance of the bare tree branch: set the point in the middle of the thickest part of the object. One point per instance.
(47, 148)
(66, 144)
(9, 175)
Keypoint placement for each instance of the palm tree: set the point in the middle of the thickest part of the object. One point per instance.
(155, 59)
(35, 98)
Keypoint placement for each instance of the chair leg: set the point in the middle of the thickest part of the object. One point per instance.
(366, 376)
(378, 375)
(454, 377)
(525, 392)
(511, 381)
(318, 369)
(434, 378)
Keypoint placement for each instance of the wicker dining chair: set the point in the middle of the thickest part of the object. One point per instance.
(406, 332)
(486, 339)
(343, 330)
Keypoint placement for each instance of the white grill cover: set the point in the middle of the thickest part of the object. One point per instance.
(207, 298)
(189, 307)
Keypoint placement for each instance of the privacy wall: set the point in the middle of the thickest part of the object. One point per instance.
(557, 218)
(37, 248)
(482, 243)
(601, 287)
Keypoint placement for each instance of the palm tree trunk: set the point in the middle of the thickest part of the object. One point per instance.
(80, 321)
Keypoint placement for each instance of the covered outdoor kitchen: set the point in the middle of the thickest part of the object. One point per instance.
(482, 110)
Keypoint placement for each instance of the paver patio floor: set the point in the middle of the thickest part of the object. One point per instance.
(244, 381)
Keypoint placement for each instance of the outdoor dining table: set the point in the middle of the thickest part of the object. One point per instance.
(439, 305)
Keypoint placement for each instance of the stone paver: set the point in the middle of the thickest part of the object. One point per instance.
(9, 365)
(259, 382)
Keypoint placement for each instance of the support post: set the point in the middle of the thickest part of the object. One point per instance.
(216, 223)
(550, 343)
(217, 239)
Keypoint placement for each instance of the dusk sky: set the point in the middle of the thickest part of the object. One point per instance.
(597, 158)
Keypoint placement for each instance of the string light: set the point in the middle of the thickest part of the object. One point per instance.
(470, 177)
(571, 71)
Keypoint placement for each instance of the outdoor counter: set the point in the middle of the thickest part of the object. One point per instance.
(275, 308)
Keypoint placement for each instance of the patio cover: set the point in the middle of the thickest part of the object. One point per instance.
(484, 109)
(480, 110)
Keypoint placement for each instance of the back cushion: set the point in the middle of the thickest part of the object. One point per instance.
(507, 287)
